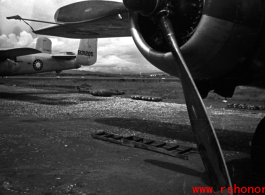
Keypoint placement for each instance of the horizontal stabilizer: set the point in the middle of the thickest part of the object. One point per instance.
(64, 57)
(88, 10)
(8, 53)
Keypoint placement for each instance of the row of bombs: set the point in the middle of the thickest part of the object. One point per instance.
(245, 106)
(146, 98)
(102, 92)
(106, 93)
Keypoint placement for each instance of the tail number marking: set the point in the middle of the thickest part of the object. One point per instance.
(85, 53)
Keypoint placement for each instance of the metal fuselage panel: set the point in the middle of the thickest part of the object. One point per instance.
(38, 63)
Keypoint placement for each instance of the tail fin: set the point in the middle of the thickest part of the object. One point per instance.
(44, 44)
(87, 52)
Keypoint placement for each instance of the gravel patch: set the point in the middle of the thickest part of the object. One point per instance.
(18, 101)
(142, 117)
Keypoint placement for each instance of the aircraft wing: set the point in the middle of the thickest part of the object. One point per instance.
(7, 53)
(110, 26)
(64, 57)
(90, 19)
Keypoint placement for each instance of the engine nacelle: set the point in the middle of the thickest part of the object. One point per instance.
(214, 35)
(8, 67)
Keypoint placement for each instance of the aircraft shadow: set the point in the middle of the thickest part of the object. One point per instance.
(173, 167)
(179, 169)
(230, 140)
(239, 170)
(35, 98)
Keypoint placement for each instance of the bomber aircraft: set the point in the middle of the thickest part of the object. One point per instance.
(20, 61)
(209, 44)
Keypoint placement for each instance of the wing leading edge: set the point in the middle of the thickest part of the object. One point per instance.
(8, 53)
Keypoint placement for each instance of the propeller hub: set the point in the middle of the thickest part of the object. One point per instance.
(184, 15)
(145, 7)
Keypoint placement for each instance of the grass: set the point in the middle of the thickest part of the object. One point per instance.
(168, 91)
(249, 93)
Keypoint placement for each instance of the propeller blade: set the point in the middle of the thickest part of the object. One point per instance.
(202, 127)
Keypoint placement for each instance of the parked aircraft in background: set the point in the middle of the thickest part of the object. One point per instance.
(19, 61)
(222, 41)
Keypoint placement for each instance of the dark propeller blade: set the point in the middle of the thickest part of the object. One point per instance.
(202, 127)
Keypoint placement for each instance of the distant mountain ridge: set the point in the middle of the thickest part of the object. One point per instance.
(85, 72)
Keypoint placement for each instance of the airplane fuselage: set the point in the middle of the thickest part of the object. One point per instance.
(37, 63)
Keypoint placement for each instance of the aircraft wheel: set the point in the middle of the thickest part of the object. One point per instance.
(258, 148)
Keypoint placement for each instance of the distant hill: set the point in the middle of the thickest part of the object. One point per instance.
(74, 71)
(85, 72)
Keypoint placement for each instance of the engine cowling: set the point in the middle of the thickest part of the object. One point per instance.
(215, 36)
(9, 67)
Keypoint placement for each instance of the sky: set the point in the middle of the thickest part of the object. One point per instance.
(117, 55)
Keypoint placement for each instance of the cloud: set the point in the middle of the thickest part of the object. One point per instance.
(23, 40)
(31, 9)
(61, 44)
(120, 55)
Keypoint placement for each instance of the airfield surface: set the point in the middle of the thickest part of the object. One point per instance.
(46, 146)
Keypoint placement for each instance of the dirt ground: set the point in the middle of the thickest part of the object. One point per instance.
(46, 146)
